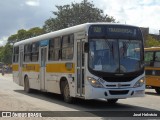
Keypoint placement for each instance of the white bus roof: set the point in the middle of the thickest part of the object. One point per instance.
(74, 29)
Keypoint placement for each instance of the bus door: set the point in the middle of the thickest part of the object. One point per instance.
(21, 55)
(80, 68)
(43, 52)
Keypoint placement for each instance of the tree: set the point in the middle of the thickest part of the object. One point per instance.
(1, 53)
(24, 34)
(6, 54)
(151, 42)
(13, 38)
(74, 14)
(35, 32)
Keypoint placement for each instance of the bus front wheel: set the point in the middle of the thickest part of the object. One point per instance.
(26, 85)
(66, 92)
(112, 101)
(157, 90)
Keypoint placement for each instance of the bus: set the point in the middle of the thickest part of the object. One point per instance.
(88, 61)
(152, 68)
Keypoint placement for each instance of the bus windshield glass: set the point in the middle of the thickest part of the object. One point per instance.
(115, 55)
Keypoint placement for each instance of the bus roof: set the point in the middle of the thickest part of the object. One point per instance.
(74, 29)
(152, 49)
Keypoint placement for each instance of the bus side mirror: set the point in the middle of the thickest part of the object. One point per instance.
(86, 47)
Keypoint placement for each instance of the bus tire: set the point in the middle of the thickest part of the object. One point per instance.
(157, 90)
(66, 92)
(26, 85)
(112, 101)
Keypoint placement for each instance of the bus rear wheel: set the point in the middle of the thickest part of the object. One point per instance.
(112, 101)
(157, 90)
(26, 85)
(66, 93)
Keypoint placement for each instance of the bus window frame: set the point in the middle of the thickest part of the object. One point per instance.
(56, 47)
(16, 54)
(68, 45)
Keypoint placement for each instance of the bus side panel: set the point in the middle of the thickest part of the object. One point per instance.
(54, 73)
(15, 68)
(152, 76)
(32, 71)
(33, 80)
(52, 82)
(153, 81)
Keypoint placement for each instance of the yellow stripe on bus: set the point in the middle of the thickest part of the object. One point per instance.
(31, 67)
(15, 67)
(56, 67)
(151, 68)
(59, 68)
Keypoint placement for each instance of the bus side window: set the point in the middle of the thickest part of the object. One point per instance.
(67, 47)
(54, 49)
(16, 54)
(27, 52)
(157, 59)
(149, 58)
(35, 52)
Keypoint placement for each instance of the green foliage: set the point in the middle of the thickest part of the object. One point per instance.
(21, 34)
(74, 14)
(24, 34)
(13, 38)
(1, 53)
(6, 54)
(35, 31)
(151, 42)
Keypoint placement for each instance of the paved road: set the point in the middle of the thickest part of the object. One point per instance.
(13, 98)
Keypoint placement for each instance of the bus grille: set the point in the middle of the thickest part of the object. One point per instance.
(115, 86)
(121, 92)
(118, 79)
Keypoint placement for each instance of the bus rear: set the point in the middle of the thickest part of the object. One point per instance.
(115, 62)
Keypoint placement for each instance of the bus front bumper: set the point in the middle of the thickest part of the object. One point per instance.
(95, 93)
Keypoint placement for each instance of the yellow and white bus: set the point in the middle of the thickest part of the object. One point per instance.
(88, 61)
(152, 68)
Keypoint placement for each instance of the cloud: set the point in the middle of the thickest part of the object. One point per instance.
(143, 13)
(3, 41)
(18, 15)
(32, 2)
(22, 14)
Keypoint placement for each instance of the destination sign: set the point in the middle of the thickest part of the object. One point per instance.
(97, 31)
(114, 32)
(120, 30)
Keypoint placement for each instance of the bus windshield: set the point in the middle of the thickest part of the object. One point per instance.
(115, 55)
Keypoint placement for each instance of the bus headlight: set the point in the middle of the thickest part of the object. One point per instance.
(139, 83)
(95, 83)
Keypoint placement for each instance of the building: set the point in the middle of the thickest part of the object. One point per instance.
(145, 32)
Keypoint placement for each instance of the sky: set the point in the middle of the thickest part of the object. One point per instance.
(26, 14)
